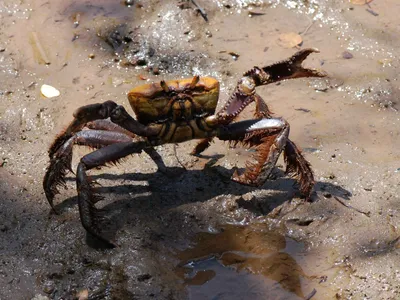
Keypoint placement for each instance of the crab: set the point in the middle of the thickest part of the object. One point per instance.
(173, 112)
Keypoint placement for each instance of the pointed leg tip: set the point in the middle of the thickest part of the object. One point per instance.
(110, 244)
(55, 210)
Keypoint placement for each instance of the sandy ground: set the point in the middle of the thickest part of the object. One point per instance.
(196, 234)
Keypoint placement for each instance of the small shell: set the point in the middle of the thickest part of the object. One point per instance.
(49, 92)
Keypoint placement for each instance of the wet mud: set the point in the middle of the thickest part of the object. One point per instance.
(195, 234)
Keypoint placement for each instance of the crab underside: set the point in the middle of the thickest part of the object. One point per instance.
(173, 112)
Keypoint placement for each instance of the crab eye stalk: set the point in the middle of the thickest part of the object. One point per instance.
(164, 86)
(194, 82)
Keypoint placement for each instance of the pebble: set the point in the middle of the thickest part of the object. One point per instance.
(40, 297)
(347, 55)
(48, 287)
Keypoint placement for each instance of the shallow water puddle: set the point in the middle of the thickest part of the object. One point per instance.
(245, 262)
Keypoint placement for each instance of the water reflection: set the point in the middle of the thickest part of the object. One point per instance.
(244, 262)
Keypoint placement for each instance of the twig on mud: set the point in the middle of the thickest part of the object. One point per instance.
(351, 207)
(201, 10)
(375, 14)
(308, 27)
(312, 294)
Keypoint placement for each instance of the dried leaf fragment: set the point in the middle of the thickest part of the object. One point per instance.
(290, 40)
(360, 2)
(49, 91)
(38, 50)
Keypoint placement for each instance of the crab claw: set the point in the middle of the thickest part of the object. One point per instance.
(245, 92)
(290, 68)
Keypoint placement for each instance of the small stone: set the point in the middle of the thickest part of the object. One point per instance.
(91, 56)
(208, 34)
(347, 55)
(156, 70)
(48, 287)
(129, 2)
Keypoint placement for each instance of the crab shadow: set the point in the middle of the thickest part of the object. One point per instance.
(135, 195)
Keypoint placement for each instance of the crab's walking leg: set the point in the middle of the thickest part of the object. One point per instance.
(90, 215)
(98, 111)
(296, 164)
(262, 109)
(61, 161)
(110, 126)
(202, 146)
(60, 151)
(268, 136)
(107, 125)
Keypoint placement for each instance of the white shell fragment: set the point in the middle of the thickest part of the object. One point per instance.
(49, 92)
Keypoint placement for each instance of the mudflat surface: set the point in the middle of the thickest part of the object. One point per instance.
(195, 234)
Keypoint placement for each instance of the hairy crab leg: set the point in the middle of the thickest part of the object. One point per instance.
(296, 164)
(268, 136)
(60, 151)
(61, 161)
(106, 124)
(262, 109)
(201, 146)
(98, 111)
(110, 126)
(91, 217)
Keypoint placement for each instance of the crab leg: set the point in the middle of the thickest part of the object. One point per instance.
(61, 161)
(268, 136)
(98, 111)
(296, 164)
(60, 151)
(90, 216)
(110, 126)
(105, 124)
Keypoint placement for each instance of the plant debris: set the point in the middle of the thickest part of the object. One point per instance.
(38, 49)
(360, 2)
(290, 40)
